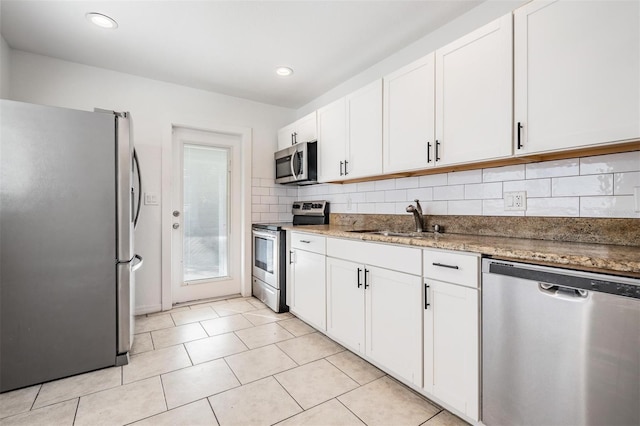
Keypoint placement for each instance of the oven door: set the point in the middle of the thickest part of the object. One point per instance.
(266, 256)
(290, 164)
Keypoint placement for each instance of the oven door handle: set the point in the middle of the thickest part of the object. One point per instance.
(293, 172)
(267, 235)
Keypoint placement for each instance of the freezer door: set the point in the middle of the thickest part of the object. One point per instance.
(126, 303)
(57, 245)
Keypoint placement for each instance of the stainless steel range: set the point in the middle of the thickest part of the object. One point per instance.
(269, 252)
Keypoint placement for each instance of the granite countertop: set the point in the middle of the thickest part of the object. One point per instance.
(612, 259)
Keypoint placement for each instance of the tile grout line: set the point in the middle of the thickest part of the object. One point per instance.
(212, 410)
(75, 414)
(348, 409)
(34, 399)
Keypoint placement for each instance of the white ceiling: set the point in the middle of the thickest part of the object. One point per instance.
(230, 47)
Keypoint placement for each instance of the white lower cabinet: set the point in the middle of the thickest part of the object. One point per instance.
(307, 279)
(451, 323)
(375, 311)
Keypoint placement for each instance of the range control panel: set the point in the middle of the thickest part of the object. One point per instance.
(310, 208)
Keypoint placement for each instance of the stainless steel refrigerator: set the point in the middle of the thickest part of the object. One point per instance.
(69, 201)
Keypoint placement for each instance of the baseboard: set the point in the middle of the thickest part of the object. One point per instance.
(148, 309)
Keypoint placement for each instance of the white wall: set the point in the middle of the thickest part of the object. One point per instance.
(5, 68)
(154, 106)
(475, 18)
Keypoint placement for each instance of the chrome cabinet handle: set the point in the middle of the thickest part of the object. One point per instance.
(346, 163)
(341, 163)
(442, 265)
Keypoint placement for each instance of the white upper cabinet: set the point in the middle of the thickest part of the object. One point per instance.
(350, 135)
(577, 74)
(364, 131)
(302, 130)
(332, 139)
(409, 116)
(474, 95)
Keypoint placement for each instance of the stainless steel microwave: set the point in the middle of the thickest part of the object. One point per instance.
(297, 164)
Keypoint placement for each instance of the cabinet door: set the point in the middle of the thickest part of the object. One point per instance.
(577, 74)
(364, 130)
(451, 346)
(308, 287)
(474, 95)
(393, 322)
(332, 138)
(408, 117)
(306, 128)
(345, 303)
(285, 136)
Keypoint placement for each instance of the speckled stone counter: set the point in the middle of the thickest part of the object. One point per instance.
(607, 258)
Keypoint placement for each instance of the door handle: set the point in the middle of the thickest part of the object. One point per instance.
(428, 152)
(366, 282)
(138, 264)
(442, 265)
(437, 151)
(341, 163)
(426, 296)
(176, 225)
(519, 140)
(346, 163)
(359, 283)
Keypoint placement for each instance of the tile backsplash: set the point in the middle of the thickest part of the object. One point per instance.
(598, 186)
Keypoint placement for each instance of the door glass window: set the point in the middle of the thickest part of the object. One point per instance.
(206, 191)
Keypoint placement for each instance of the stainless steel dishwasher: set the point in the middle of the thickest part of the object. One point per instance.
(560, 347)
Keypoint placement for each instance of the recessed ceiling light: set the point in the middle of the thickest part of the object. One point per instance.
(103, 21)
(284, 71)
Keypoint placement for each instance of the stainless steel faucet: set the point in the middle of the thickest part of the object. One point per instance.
(417, 215)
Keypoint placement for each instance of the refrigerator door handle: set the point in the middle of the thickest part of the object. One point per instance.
(136, 263)
(136, 162)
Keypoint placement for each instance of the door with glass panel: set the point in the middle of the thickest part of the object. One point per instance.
(206, 221)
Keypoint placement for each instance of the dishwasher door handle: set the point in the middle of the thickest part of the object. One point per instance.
(562, 292)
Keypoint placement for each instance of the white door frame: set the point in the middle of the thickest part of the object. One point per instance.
(245, 136)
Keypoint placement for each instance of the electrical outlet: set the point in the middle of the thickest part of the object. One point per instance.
(515, 201)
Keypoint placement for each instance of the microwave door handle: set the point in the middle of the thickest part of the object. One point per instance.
(293, 158)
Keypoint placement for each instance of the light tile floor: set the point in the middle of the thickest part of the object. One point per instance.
(230, 362)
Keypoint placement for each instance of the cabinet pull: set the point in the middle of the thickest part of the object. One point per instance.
(442, 265)
(308, 242)
(346, 163)
(293, 140)
(519, 140)
(359, 283)
(437, 150)
(291, 257)
(428, 152)
(341, 163)
(366, 284)
(426, 296)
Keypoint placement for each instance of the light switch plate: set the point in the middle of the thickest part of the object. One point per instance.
(515, 201)
(151, 199)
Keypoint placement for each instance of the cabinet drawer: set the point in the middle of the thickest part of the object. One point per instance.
(308, 242)
(397, 258)
(452, 267)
